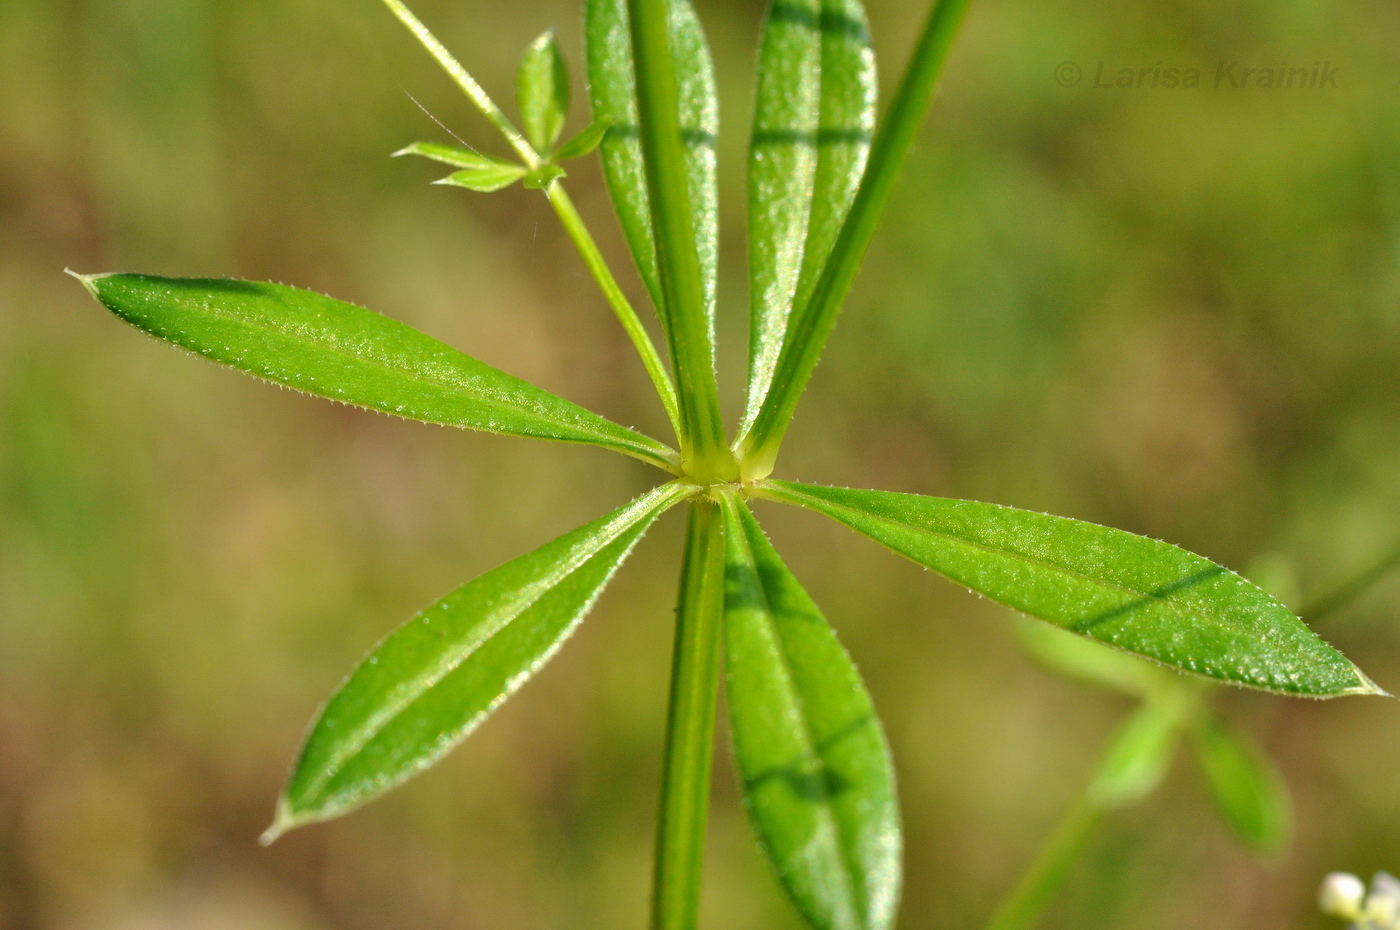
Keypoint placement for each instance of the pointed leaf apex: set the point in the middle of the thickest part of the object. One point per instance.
(1369, 687)
(284, 821)
(87, 279)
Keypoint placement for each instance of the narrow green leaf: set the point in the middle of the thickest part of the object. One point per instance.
(485, 180)
(585, 142)
(817, 775)
(1139, 756)
(1246, 788)
(813, 120)
(542, 91)
(705, 453)
(433, 680)
(452, 155)
(815, 315)
(1135, 593)
(613, 87)
(343, 352)
(1090, 661)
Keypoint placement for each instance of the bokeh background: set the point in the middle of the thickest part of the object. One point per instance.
(1175, 311)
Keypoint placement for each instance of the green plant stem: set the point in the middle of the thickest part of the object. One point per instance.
(690, 724)
(626, 315)
(704, 453)
(470, 87)
(812, 323)
(563, 207)
(1022, 907)
(1348, 590)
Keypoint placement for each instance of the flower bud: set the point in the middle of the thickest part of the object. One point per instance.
(1383, 903)
(1341, 896)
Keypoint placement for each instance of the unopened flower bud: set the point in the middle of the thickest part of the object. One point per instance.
(1341, 896)
(1383, 903)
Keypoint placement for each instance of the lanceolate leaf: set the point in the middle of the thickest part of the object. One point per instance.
(451, 155)
(1249, 793)
(337, 350)
(583, 143)
(439, 675)
(485, 180)
(612, 85)
(542, 92)
(1135, 593)
(817, 775)
(813, 121)
(816, 313)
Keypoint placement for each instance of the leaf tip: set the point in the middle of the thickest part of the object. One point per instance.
(1369, 687)
(286, 819)
(88, 280)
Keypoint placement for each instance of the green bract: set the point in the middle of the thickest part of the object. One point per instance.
(816, 772)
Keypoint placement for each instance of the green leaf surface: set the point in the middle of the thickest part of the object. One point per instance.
(1139, 756)
(485, 180)
(813, 120)
(1139, 594)
(815, 314)
(433, 680)
(585, 142)
(343, 352)
(452, 155)
(817, 775)
(613, 88)
(1247, 790)
(1090, 661)
(542, 92)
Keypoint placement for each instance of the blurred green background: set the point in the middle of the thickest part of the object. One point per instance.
(1175, 311)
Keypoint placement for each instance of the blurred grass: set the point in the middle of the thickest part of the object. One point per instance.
(1173, 311)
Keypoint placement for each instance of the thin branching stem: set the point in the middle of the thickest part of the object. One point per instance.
(622, 308)
(811, 324)
(467, 83)
(690, 723)
(703, 447)
(1349, 589)
(1023, 906)
(563, 207)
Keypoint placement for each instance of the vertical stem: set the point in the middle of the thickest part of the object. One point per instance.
(690, 724)
(703, 449)
(1022, 908)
